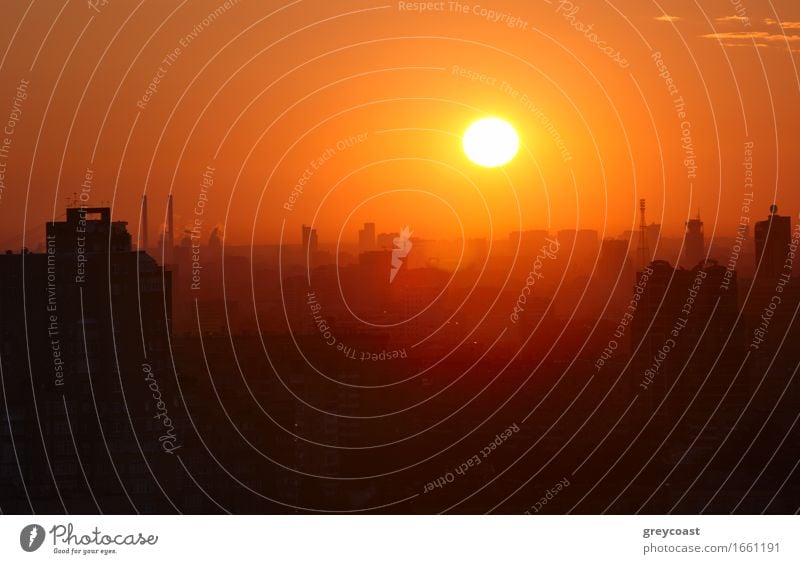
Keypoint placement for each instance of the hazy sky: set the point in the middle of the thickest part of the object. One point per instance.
(613, 101)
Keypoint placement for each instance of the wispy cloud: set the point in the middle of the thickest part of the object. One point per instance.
(667, 18)
(772, 33)
(735, 44)
(748, 36)
(737, 19)
(784, 25)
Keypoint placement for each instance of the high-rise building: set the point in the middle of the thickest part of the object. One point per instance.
(309, 239)
(694, 243)
(527, 243)
(88, 231)
(772, 237)
(97, 314)
(366, 238)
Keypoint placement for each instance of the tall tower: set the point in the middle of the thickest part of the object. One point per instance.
(171, 230)
(144, 224)
(694, 242)
(309, 239)
(644, 250)
(366, 238)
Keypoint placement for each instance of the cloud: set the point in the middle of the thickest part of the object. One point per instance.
(784, 25)
(738, 19)
(734, 44)
(748, 36)
(667, 18)
(776, 34)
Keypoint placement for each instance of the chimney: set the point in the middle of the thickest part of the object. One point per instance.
(143, 237)
(171, 229)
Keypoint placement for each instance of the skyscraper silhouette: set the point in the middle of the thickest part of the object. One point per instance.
(366, 238)
(94, 312)
(694, 244)
(772, 237)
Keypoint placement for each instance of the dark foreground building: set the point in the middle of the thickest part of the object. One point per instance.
(82, 323)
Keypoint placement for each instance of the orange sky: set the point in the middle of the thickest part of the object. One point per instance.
(379, 93)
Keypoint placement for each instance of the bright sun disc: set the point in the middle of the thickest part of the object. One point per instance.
(490, 142)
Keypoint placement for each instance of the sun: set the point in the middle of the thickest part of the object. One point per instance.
(490, 142)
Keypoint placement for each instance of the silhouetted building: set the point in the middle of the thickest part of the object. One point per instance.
(290, 370)
(95, 312)
(528, 242)
(772, 237)
(310, 241)
(215, 239)
(694, 244)
(88, 231)
(366, 238)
